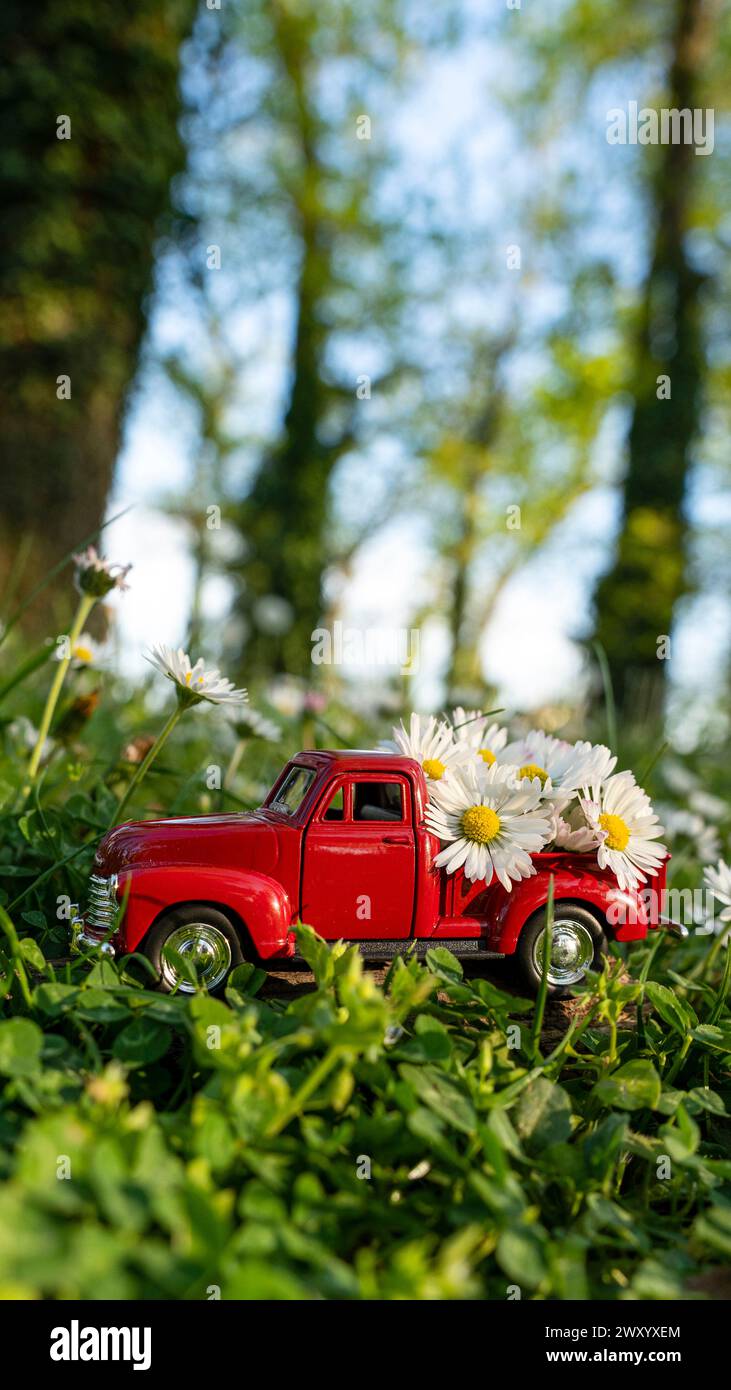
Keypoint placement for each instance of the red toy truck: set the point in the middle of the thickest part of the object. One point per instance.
(340, 843)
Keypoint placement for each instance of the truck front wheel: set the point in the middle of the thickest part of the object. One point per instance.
(578, 944)
(201, 935)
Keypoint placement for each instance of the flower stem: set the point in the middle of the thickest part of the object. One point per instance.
(723, 989)
(233, 766)
(147, 762)
(535, 1042)
(86, 603)
(721, 940)
(678, 1062)
(16, 959)
(297, 1104)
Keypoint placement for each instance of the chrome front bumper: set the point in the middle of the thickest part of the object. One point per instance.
(92, 930)
(81, 940)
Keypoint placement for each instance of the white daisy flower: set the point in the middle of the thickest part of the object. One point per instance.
(431, 743)
(621, 815)
(708, 806)
(679, 821)
(470, 727)
(287, 695)
(491, 825)
(195, 682)
(24, 735)
(561, 768)
(250, 722)
(84, 652)
(538, 744)
(718, 881)
(590, 765)
(97, 576)
(679, 778)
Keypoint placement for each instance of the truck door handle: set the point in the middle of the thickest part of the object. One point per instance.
(396, 840)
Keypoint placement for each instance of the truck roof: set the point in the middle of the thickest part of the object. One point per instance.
(370, 759)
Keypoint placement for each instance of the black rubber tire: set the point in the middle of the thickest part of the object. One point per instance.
(157, 936)
(529, 976)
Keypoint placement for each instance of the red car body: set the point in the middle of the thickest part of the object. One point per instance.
(340, 843)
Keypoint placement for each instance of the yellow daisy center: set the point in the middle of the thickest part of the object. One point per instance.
(434, 769)
(617, 831)
(188, 677)
(480, 824)
(487, 756)
(83, 653)
(533, 770)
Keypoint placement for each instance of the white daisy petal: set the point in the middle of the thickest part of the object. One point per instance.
(470, 727)
(560, 768)
(718, 881)
(621, 817)
(431, 743)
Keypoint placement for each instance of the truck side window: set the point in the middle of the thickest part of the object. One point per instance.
(336, 806)
(293, 790)
(378, 801)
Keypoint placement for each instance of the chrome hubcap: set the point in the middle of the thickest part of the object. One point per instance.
(208, 951)
(572, 952)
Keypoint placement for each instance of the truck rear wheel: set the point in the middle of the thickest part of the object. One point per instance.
(578, 945)
(201, 935)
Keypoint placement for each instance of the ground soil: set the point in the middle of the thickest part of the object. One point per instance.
(288, 984)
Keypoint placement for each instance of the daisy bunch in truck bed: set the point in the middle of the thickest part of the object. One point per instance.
(493, 801)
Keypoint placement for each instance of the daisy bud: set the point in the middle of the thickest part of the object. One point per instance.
(97, 577)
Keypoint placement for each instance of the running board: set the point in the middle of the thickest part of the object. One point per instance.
(470, 948)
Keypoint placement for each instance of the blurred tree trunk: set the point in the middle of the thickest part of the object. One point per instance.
(284, 516)
(315, 228)
(636, 599)
(497, 447)
(464, 660)
(80, 219)
(462, 672)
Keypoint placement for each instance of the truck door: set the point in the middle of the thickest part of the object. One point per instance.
(360, 860)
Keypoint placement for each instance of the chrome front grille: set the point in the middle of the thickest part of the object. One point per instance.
(102, 909)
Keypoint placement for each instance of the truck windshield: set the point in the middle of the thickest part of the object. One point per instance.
(293, 790)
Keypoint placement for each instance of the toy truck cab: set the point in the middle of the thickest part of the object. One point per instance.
(341, 843)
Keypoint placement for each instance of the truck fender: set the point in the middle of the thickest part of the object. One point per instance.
(256, 899)
(598, 894)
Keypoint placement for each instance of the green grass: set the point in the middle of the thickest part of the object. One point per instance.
(359, 1142)
(416, 1140)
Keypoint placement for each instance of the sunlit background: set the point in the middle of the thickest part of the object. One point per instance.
(494, 383)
